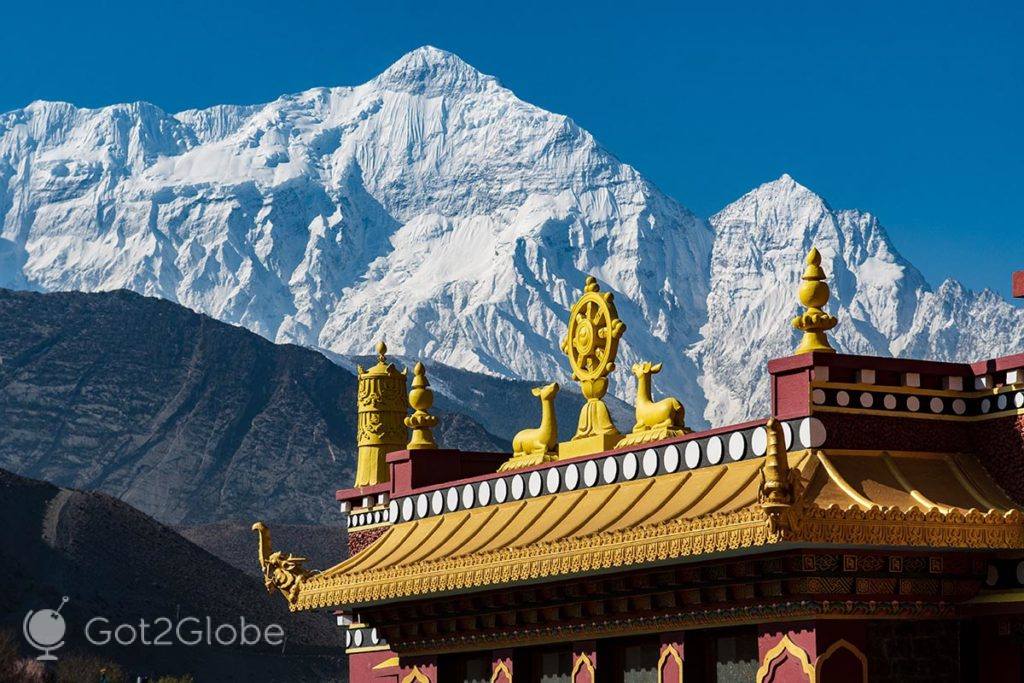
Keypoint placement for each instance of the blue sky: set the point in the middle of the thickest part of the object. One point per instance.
(911, 111)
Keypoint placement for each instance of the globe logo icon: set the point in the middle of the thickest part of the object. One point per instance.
(44, 629)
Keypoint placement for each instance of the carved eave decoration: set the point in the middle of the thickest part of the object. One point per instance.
(762, 507)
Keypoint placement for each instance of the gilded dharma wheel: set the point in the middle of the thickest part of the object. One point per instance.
(593, 336)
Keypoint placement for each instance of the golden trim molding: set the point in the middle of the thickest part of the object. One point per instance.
(583, 659)
(717, 533)
(416, 676)
(387, 663)
(788, 646)
(501, 668)
(669, 650)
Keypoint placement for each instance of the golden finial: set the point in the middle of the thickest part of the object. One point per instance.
(382, 409)
(777, 481)
(775, 488)
(813, 294)
(591, 343)
(421, 398)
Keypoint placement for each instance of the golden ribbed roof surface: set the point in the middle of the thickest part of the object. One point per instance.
(863, 498)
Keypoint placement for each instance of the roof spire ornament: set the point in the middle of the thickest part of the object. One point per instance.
(591, 343)
(382, 409)
(813, 294)
(422, 423)
(778, 482)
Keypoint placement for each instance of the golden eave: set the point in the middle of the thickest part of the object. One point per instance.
(844, 498)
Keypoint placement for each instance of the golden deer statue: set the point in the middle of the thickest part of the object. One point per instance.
(534, 446)
(654, 420)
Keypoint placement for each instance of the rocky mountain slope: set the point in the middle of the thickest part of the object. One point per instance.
(112, 561)
(189, 419)
(432, 207)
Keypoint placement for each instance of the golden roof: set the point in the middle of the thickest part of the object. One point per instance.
(863, 498)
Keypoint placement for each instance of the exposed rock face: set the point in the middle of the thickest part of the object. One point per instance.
(112, 561)
(187, 418)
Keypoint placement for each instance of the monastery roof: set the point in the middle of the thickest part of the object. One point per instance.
(907, 499)
(859, 452)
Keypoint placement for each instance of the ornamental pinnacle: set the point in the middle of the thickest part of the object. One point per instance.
(813, 294)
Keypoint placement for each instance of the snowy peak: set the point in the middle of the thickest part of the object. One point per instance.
(432, 207)
(133, 134)
(432, 72)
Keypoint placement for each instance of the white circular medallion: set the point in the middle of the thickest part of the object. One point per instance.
(572, 477)
(959, 406)
(1001, 402)
(374, 638)
(787, 433)
(1018, 400)
(393, 510)
(518, 487)
(553, 480)
(422, 505)
(437, 502)
(842, 398)
(759, 441)
(348, 638)
(609, 470)
(818, 396)
(650, 462)
(629, 466)
(692, 454)
(357, 639)
(935, 404)
(889, 402)
(483, 494)
(737, 445)
(671, 458)
(986, 405)
(468, 495)
(812, 433)
(590, 473)
(407, 509)
(500, 491)
(452, 499)
(866, 400)
(534, 483)
(913, 404)
(714, 450)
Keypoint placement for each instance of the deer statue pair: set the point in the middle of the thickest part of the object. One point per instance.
(654, 420)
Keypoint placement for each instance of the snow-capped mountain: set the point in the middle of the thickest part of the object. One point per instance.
(883, 303)
(433, 208)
